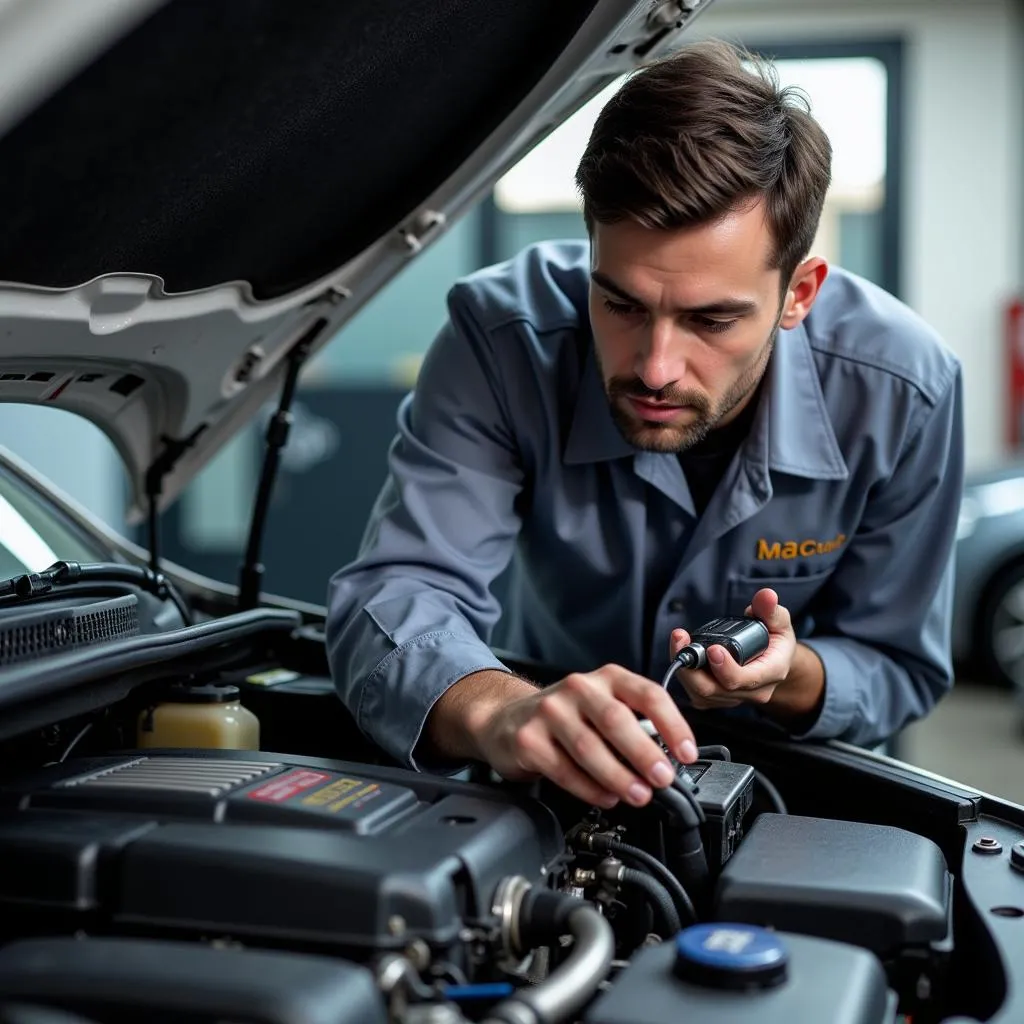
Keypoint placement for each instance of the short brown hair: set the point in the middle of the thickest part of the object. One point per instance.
(693, 136)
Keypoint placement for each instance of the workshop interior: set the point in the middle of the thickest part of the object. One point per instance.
(192, 827)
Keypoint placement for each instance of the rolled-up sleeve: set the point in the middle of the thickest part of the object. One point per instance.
(882, 627)
(413, 613)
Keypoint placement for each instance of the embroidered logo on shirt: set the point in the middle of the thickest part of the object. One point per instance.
(786, 549)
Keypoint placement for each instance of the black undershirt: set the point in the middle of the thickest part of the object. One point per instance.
(705, 463)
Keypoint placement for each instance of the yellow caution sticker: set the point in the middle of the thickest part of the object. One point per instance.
(342, 794)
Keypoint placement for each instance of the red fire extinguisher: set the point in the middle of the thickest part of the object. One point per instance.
(1014, 326)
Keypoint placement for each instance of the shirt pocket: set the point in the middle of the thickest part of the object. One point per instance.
(796, 593)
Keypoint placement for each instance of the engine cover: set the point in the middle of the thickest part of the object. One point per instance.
(252, 845)
(115, 980)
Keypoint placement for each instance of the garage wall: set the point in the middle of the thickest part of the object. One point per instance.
(963, 195)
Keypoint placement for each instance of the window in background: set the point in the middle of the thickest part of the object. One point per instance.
(72, 453)
(848, 98)
(34, 533)
(538, 200)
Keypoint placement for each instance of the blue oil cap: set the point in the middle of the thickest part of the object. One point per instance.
(733, 956)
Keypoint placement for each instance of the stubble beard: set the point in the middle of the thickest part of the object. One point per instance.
(670, 437)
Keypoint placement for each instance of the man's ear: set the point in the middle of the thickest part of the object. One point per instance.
(804, 286)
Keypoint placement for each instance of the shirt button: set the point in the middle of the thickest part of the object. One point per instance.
(676, 605)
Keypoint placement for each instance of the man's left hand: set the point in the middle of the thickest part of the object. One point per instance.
(725, 684)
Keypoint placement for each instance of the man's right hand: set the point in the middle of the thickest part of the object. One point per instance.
(566, 732)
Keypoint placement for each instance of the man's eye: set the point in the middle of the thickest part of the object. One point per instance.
(714, 326)
(622, 308)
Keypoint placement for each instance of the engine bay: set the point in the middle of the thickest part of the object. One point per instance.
(157, 880)
(444, 892)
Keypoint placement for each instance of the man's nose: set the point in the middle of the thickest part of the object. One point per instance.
(660, 361)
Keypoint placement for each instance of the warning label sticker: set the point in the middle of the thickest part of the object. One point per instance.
(345, 794)
(290, 784)
(346, 801)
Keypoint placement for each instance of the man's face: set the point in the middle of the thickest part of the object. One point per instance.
(684, 322)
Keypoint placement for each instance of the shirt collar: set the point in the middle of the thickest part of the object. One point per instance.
(792, 432)
(800, 438)
(593, 436)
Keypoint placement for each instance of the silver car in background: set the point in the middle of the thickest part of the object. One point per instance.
(988, 611)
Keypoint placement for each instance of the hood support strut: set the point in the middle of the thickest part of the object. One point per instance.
(251, 575)
(173, 450)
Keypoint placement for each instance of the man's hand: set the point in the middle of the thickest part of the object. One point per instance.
(568, 732)
(787, 678)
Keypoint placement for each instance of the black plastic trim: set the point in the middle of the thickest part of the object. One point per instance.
(57, 688)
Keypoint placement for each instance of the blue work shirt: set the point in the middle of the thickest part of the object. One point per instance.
(843, 498)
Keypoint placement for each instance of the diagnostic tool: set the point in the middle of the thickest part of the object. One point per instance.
(744, 639)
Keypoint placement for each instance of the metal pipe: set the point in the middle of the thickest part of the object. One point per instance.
(572, 984)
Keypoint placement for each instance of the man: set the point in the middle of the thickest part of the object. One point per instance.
(688, 417)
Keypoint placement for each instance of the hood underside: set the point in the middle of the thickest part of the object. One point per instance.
(226, 179)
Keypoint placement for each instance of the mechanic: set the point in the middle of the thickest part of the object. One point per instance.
(687, 417)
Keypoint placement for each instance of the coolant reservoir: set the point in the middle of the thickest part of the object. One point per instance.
(199, 716)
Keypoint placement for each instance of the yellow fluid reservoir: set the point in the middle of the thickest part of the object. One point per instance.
(199, 716)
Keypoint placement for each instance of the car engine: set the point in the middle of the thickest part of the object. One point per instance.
(211, 885)
(179, 841)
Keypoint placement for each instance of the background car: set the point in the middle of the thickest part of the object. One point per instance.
(988, 609)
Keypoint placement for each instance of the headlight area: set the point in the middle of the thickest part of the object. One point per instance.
(210, 885)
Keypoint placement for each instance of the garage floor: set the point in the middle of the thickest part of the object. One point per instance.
(975, 736)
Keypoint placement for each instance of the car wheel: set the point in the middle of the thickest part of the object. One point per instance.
(1000, 635)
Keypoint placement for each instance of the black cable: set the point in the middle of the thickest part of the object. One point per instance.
(657, 896)
(684, 659)
(63, 574)
(155, 583)
(774, 796)
(625, 852)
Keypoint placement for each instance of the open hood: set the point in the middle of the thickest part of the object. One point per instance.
(205, 186)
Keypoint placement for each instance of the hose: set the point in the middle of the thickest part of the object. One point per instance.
(66, 573)
(682, 804)
(543, 916)
(684, 851)
(657, 897)
(680, 897)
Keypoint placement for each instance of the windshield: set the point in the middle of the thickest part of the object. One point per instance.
(34, 533)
